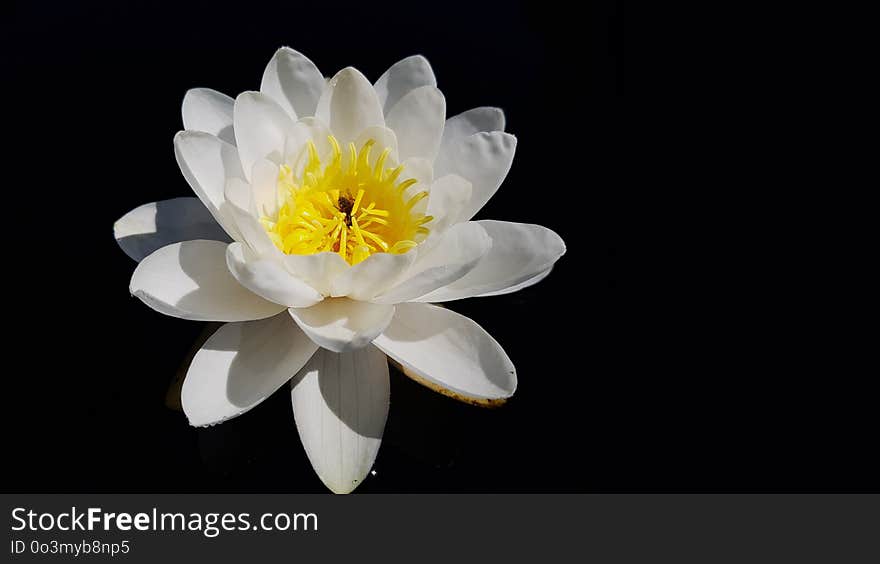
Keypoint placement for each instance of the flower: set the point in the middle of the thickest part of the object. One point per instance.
(330, 214)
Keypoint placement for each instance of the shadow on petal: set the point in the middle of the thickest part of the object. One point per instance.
(449, 353)
(259, 355)
(205, 265)
(178, 219)
(355, 387)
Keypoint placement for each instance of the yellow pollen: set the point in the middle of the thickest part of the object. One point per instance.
(346, 205)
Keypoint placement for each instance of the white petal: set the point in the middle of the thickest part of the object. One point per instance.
(472, 121)
(242, 209)
(520, 253)
(317, 270)
(293, 81)
(421, 169)
(417, 120)
(208, 111)
(261, 129)
(264, 185)
(482, 158)
(403, 76)
(239, 193)
(240, 366)
(152, 226)
(447, 198)
(340, 403)
(449, 353)
(349, 105)
(341, 324)
(207, 162)
(517, 287)
(447, 259)
(190, 280)
(372, 276)
(268, 278)
(305, 130)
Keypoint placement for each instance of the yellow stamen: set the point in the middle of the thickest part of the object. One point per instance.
(357, 201)
(406, 184)
(380, 164)
(343, 204)
(416, 199)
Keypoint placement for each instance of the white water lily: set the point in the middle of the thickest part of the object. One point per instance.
(329, 214)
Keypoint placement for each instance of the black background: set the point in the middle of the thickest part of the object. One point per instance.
(644, 363)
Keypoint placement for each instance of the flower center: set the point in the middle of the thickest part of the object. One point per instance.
(348, 205)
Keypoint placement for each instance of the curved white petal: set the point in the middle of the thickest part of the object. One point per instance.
(242, 209)
(207, 162)
(340, 404)
(417, 120)
(403, 76)
(293, 81)
(264, 186)
(241, 365)
(472, 121)
(372, 276)
(317, 270)
(482, 158)
(208, 111)
(520, 253)
(269, 279)
(349, 105)
(421, 169)
(444, 260)
(190, 280)
(261, 129)
(149, 227)
(516, 287)
(447, 198)
(341, 324)
(448, 352)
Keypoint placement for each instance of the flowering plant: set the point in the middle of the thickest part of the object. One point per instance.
(331, 214)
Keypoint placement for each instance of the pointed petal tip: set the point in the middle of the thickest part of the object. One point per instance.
(418, 57)
(252, 94)
(347, 72)
(196, 90)
(340, 489)
(499, 113)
